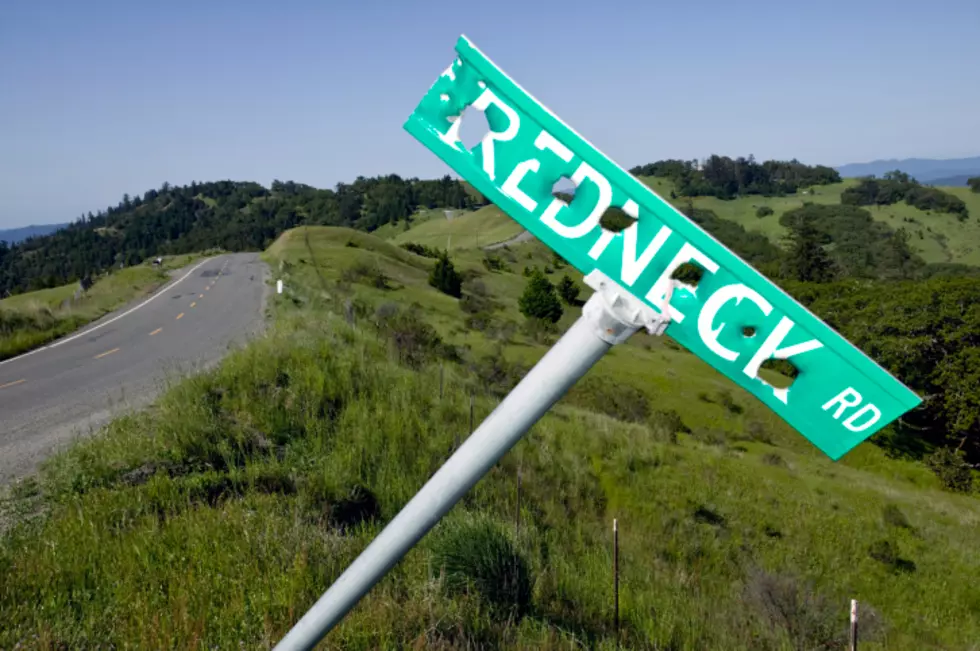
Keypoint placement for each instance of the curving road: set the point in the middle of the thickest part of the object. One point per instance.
(76, 384)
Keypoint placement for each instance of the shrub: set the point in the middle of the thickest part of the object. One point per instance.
(497, 375)
(539, 300)
(421, 249)
(894, 517)
(474, 303)
(726, 399)
(494, 262)
(773, 459)
(361, 272)
(415, 342)
(620, 401)
(886, 553)
(473, 552)
(540, 331)
(445, 278)
(809, 619)
(568, 290)
(952, 469)
(763, 211)
(670, 421)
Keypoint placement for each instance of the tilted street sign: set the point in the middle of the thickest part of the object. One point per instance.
(840, 396)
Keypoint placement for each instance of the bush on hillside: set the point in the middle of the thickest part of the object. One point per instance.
(420, 249)
(473, 553)
(362, 272)
(445, 278)
(496, 374)
(568, 290)
(952, 469)
(618, 400)
(539, 300)
(414, 341)
(494, 262)
(763, 211)
(974, 183)
(809, 619)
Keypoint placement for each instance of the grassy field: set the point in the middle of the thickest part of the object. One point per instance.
(937, 237)
(469, 230)
(33, 319)
(215, 519)
(943, 238)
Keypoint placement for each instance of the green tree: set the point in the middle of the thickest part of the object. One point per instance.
(974, 183)
(568, 290)
(445, 278)
(539, 300)
(807, 260)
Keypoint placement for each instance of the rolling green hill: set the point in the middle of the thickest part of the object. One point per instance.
(466, 230)
(218, 517)
(943, 238)
(936, 237)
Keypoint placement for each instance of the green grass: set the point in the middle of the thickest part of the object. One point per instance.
(392, 230)
(33, 319)
(471, 230)
(215, 519)
(943, 239)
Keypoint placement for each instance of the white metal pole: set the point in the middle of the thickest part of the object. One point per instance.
(610, 316)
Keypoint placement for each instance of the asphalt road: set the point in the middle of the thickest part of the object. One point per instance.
(75, 385)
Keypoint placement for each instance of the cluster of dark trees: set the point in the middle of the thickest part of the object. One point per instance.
(231, 215)
(898, 186)
(974, 183)
(917, 320)
(727, 178)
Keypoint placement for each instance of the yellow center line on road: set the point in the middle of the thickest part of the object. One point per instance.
(193, 303)
(108, 352)
(12, 384)
(156, 332)
(180, 316)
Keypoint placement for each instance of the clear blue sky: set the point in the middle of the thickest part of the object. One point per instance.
(104, 97)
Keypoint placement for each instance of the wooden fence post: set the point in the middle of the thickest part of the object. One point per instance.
(854, 625)
(616, 578)
(517, 510)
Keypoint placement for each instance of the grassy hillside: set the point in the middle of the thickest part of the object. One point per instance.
(943, 238)
(469, 230)
(936, 237)
(33, 319)
(216, 519)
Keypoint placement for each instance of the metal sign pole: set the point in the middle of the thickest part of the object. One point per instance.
(610, 316)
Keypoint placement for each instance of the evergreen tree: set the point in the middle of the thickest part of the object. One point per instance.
(445, 278)
(568, 290)
(539, 300)
(807, 260)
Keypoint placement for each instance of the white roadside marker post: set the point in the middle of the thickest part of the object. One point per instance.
(610, 316)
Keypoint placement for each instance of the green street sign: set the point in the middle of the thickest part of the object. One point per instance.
(734, 319)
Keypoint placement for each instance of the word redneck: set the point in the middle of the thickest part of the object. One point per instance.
(733, 318)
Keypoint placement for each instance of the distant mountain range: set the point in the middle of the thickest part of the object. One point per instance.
(14, 235)
(948, 171)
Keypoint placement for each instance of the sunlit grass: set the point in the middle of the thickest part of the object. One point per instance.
(215, 519)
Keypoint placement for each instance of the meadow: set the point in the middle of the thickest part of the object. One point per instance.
(36, 318)
(216, 518)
